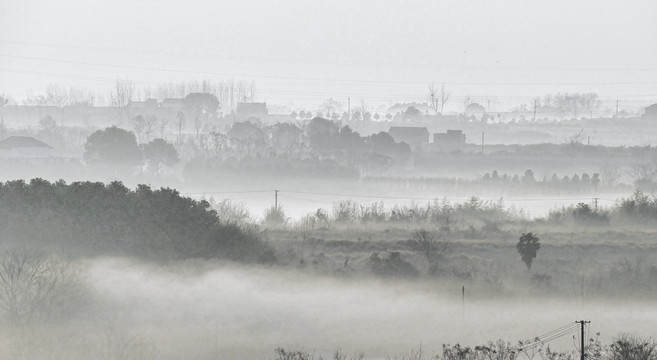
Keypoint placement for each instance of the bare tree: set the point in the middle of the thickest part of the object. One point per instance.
(55, 96)
(34, 285)
(149, 124)
(609, 174)
(138, 124)
(77, 96)
(646, 173)
(428, 243)
(181, 125)
(198, 125)
(122, 98)
(230, 93)
(143, 127)
(163, 124)
(443, 97)
(251, 90)
(358, 112)
(433, 99)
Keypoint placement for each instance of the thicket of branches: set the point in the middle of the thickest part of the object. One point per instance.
(442, 214)
(622, 347)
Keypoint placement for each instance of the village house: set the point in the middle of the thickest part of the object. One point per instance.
(651, 112)
(252, 111)
(24, 147)
(452, 139)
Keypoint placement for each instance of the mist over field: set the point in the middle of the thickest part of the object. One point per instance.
(204, 309)
(299, 180)
(234, 308)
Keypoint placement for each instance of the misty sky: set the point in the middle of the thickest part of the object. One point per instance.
(301, 52)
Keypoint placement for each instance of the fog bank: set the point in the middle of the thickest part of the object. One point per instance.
(197, 310)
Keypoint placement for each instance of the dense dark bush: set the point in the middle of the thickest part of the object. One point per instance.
(629, 347)
(638, 207)
(392, 266)
(112, 219)
(581, 214)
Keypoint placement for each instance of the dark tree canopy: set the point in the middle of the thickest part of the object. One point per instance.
(96, 218)
(322, 133)
(527, 247)
(112, 145)
(159, 152)
(201, 105)
(412, 112)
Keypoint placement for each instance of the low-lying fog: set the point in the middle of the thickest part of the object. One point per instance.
(214, 310)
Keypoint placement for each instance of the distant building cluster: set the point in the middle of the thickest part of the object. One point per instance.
(418, 137)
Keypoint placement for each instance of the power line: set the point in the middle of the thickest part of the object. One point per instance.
(296, 94)
(441, 198)
(210, 72)
(478, 83)
(549, 336)
(312, 61)
(302, 199)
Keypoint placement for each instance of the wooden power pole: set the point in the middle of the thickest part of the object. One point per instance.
(276, 199)
(582, 324)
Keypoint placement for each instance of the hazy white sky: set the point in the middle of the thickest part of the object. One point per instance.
(302, 52)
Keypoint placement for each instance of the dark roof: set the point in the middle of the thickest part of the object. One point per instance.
(408, 130)
(22, 142)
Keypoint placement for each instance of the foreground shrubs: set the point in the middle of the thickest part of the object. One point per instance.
(622, 347)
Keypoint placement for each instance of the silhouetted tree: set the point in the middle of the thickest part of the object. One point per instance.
(159, 152)
(527, 247)
(200, 107)
(112, 145)
(412, 113)
(111, 219)
(121, 99)
(322, 133)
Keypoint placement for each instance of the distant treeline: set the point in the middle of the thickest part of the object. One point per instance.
(97, 218)
(578, 183)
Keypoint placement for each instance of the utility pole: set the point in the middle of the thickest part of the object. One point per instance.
(349, 108)
(463, 303)
(596, 204)
(276, 199)
(482, 142)
(582, 324)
